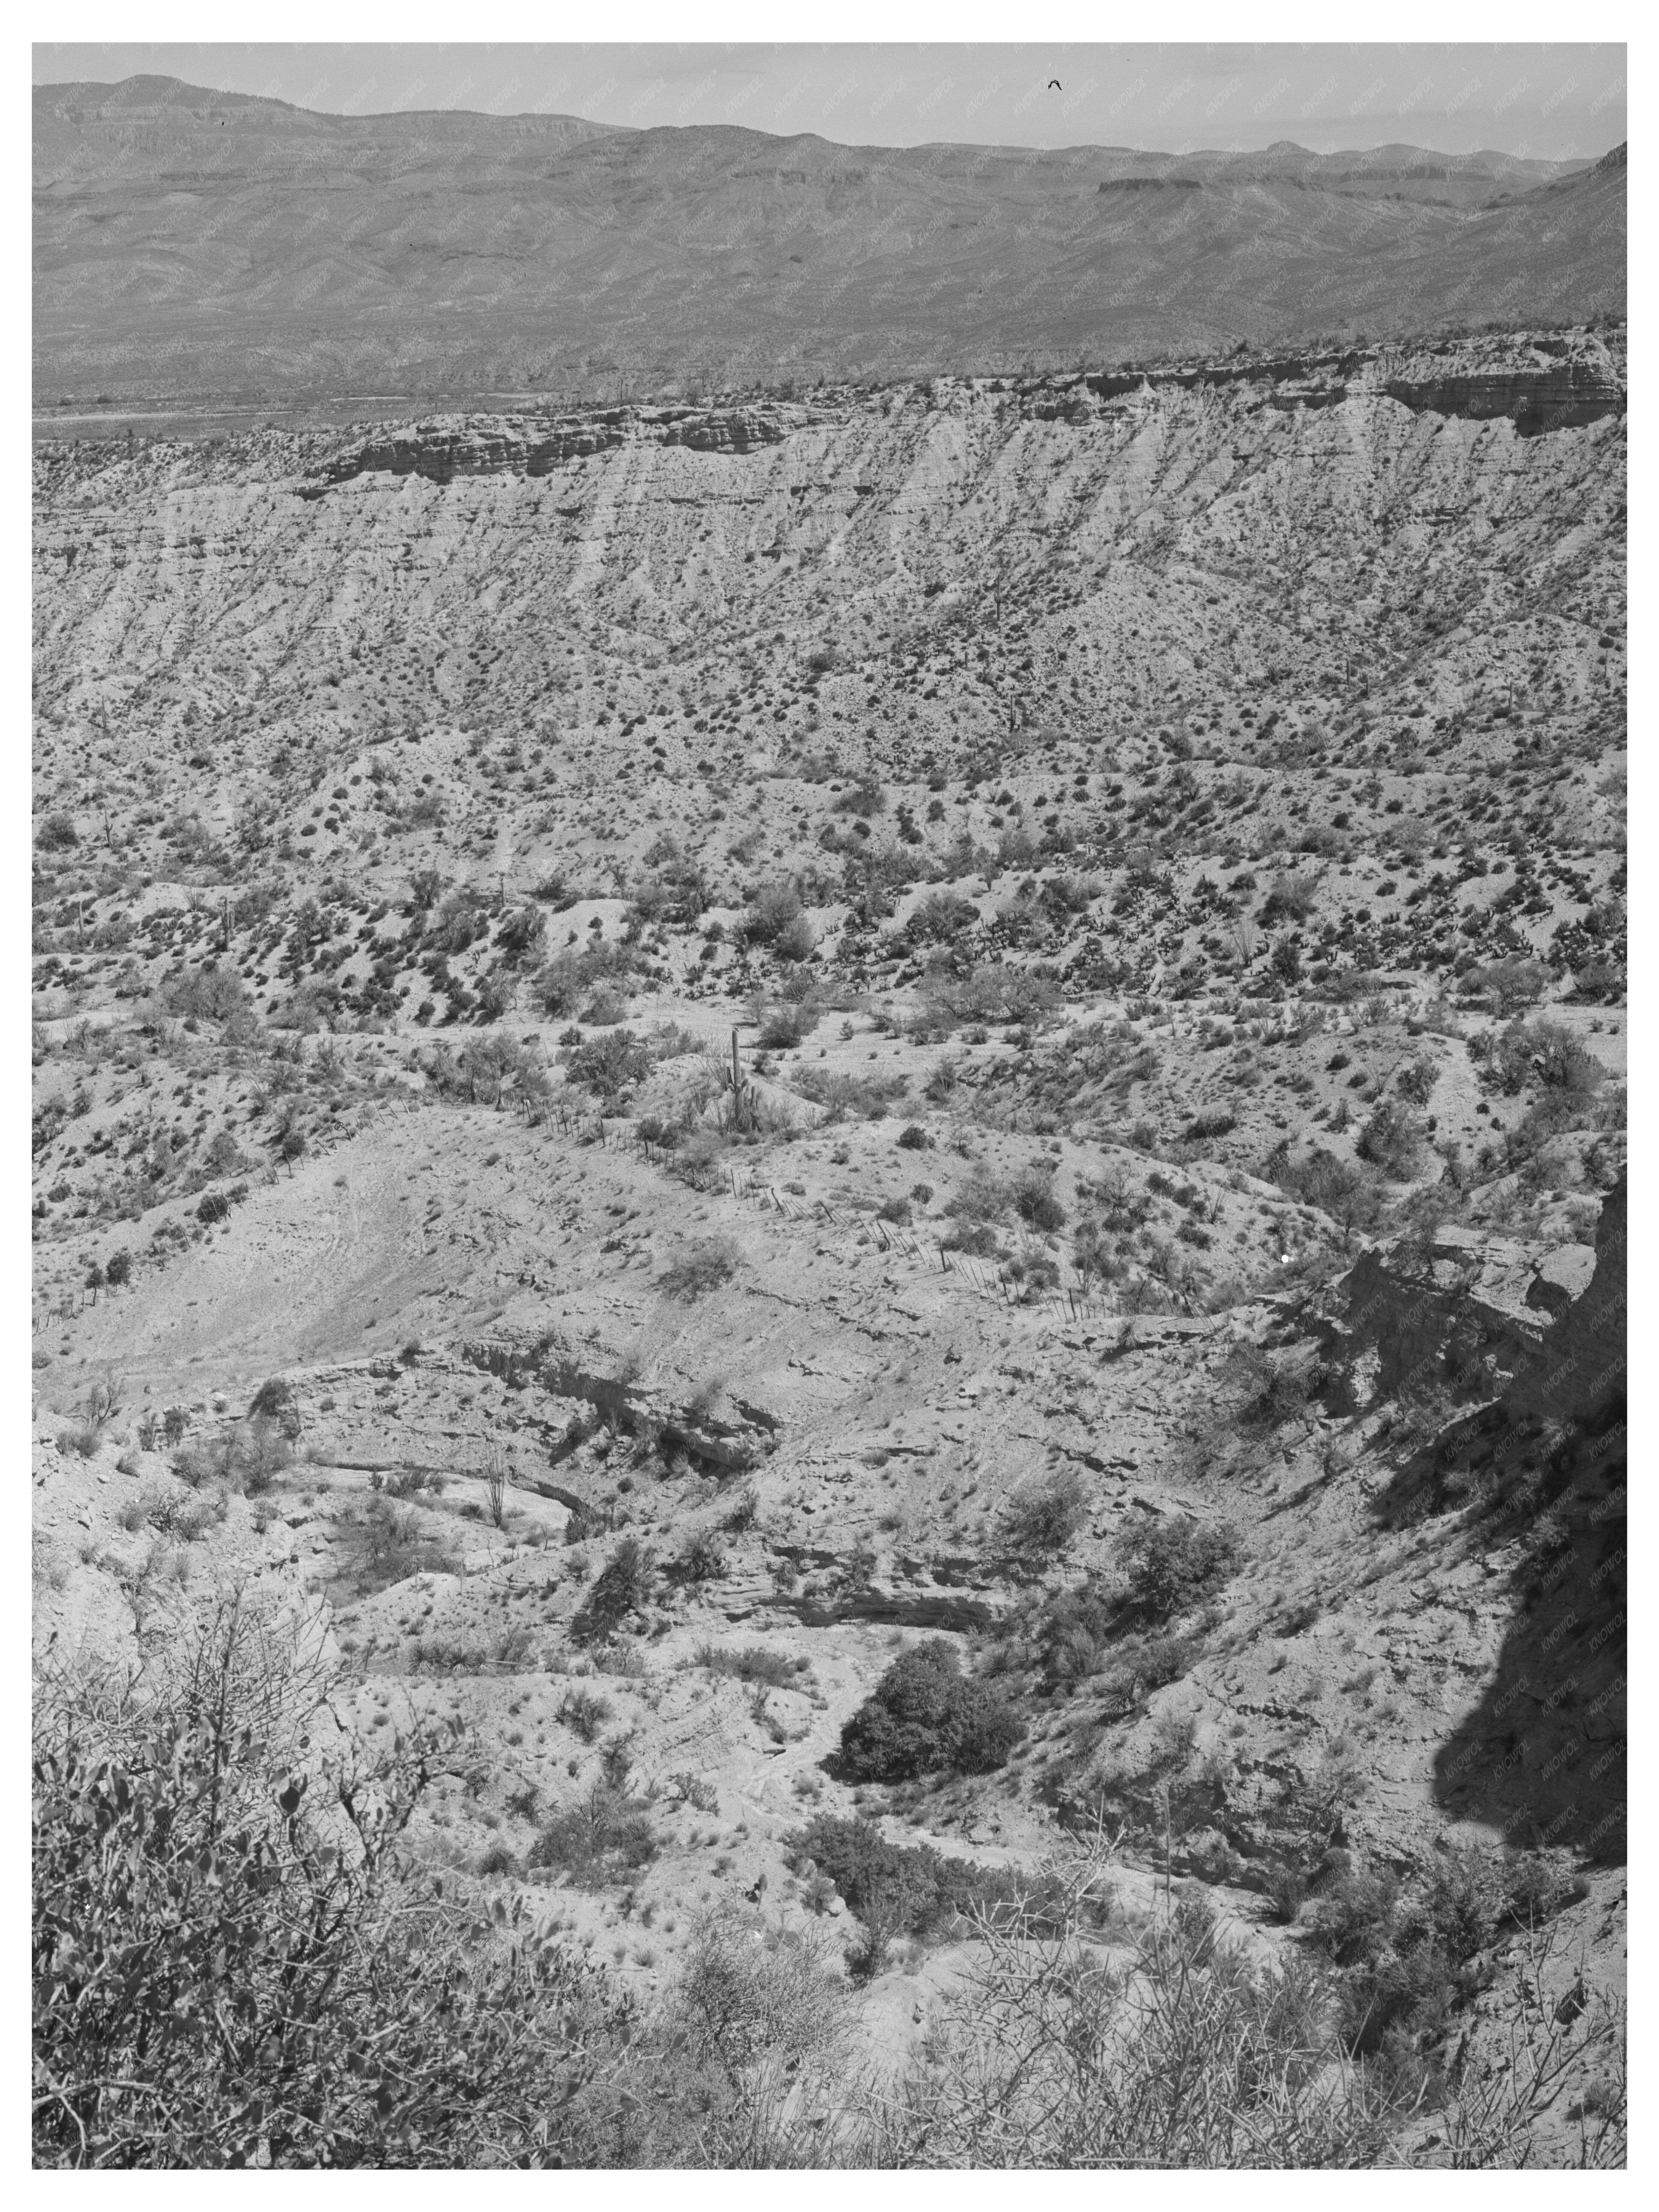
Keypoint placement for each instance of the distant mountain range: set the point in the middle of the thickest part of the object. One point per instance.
(191, 243)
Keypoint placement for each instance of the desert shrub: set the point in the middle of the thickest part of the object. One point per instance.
(235, 1962)
(840, 1094)
(1044, 1515)
(904, 1889)
(1139, 1664)
(1391, 1139)
(601, 1839)
(1215, 1123)
(1543, 1055)
(703, 1267)
(622, 1585)
(1285, 1887)
(703, 1559)
(185, 1519)
(1261, 1389)
(1047, 2055)
(912, 1139)
(1034, 1200)
(743, 1511)
(1416, 1080)
(263, 1450)
(738, 2000)
(777, 920)
(603, 1010)
(925, 1714)
(981, 1196)
(1346, 1191)
(274, 1397)
(1171, 1565)
(56, 833)
(1066, 896)
(1407, 1952)
(207, 993)
(938, 917)
(522, 934)
(976, 1238)
(607, 1065)
(584, 1713)
(753, 1663)
(460, 920)
(685, 1788)
(571, 975)
(1506, 985)
(784, 1022)
(392, 1547)
(745, 2065)
(862, 797)
(1072, 1628)
(1290, 899)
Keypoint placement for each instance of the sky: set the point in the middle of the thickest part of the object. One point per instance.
(1554, 102)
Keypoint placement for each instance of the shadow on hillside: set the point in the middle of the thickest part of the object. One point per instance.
(1541, 1756)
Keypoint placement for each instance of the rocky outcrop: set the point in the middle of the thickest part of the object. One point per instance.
(1564, 397)
(1461, 1314)
(1579, 1372)
(448, 447)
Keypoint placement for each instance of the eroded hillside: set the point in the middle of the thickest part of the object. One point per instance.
(1158, 843)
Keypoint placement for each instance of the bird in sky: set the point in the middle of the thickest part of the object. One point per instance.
(1055, 84)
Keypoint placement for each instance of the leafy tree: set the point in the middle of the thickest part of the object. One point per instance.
(924, 1715)
(1174, 1563)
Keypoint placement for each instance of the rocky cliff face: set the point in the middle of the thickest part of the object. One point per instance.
(448, 447)
(1540, 1328)
(1544, 384)
(1535, 400)
(1579, 1372)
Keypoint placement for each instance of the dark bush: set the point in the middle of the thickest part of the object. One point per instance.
(912, 1139)
(1214, 1124)
(924, 1715)
(603, 1838)
(571, 975)
(701, 1267)
(584, 1713)
(209, 994)
(1173, 1564)
(1035, 1201)
(703, 1559)
(1391, 1139)
(1044, 1514)
(622, 1586)
(1544, 1056)
(776, 918)
(1407, 1953)
(753, 1663)
(607, 1065)
(900, 1888)
(1291, 899)
(784, 1023)
(1072, 1628)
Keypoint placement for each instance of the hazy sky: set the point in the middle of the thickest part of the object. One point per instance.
(1553, 101)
